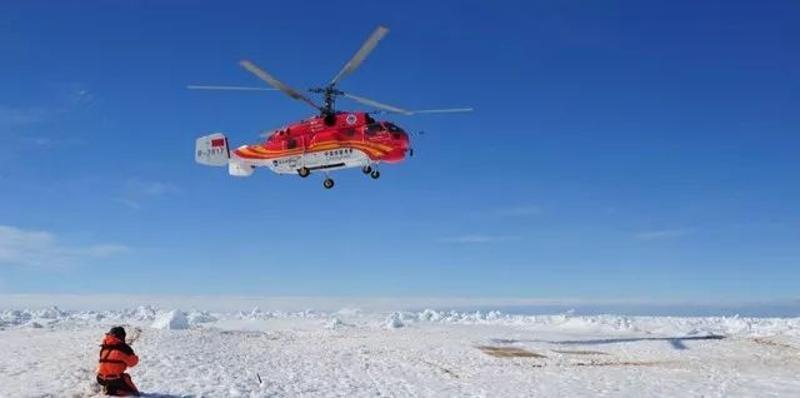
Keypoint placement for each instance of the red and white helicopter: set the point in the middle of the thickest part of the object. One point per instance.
(331, 140)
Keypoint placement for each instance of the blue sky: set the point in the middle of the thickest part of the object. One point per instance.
(618, 149)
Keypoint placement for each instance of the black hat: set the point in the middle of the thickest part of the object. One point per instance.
(118, 331)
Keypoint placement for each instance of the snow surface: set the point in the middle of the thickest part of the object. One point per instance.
(173, 320)
(355, 353)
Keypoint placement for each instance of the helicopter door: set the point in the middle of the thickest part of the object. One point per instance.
(290, 144)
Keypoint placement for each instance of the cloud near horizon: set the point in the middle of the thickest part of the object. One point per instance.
(20, 247)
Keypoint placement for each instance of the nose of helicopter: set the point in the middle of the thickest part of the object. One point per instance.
(402, 139)
(401, 144)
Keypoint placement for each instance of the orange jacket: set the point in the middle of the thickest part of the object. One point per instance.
(115, 357)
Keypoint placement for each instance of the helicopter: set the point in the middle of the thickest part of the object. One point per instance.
(330, 140)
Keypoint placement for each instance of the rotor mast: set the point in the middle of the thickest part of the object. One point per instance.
(329, 94)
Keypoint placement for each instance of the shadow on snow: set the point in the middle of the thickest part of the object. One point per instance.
(677, 342)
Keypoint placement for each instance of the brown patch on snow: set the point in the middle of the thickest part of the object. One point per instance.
(580, 352)
(773, 343)
(508, 352)
(620, 363)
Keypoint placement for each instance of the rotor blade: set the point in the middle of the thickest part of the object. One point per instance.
(231, 88)
(272, 81)
(446, 110)
(361, 54)
(426, 111)
(367, 101)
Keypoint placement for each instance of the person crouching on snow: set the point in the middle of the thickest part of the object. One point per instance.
(115, 357)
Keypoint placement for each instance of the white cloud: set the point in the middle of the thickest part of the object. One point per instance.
(662, 234)
(137, 191)
(41, 248)
(477, 239)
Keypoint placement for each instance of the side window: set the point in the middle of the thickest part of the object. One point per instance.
(373, 128)
(391, 127)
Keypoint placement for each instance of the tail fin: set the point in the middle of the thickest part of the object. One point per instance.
(212, 150)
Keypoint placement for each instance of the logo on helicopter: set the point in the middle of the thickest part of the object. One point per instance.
(288, 162)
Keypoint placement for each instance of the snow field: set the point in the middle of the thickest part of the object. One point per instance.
(428, 353)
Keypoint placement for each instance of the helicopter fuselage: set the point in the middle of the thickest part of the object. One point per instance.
(324, 144)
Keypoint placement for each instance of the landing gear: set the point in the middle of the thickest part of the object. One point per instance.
(374, 173)
(328, 183)
(303, 172)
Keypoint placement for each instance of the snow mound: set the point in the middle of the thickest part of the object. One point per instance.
(144, 313)
(15, 317)
(429, 315)
(256, 313)
(348, 311)
(194, 317)
(684, 326)
(173, 320)
(50, 313)
(394, 321)
(334, 323)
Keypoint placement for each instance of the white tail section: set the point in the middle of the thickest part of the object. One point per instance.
(238, 169)
(212, 150)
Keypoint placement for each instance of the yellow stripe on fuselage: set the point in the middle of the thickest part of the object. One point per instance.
(258, 151)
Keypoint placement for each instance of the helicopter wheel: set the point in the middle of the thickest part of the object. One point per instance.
(367, 169)
(303, 172)
(328, 183)
(375, 174)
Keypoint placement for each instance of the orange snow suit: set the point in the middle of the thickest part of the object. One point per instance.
(115, 358)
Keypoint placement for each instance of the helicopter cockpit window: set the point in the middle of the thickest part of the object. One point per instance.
(368, 119)
(374, 128)
(391, 127)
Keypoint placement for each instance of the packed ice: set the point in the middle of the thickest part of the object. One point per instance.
(350, 352)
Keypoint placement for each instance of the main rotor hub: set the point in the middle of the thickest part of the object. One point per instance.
(329, 94)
